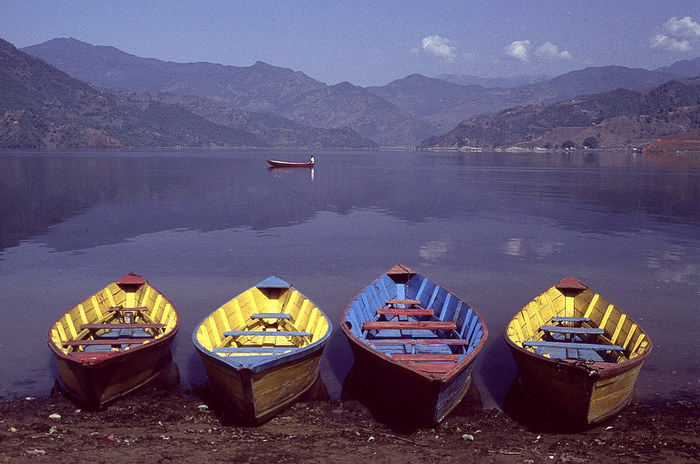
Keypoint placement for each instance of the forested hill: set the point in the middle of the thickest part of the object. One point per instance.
(617, 119)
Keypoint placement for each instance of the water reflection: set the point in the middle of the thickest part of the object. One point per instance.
(108, 198)
(494, 228)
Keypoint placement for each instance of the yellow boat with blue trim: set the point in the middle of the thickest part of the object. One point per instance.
(262, 349)
(577, 353)
(114, 341)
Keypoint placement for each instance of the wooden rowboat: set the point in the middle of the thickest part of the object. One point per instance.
(577, 353)
(290, 164)
(262, 349)
(414, 343)
(114, 341)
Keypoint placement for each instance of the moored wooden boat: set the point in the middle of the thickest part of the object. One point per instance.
(114, 341)
(262, 349)
(577, 353)
(291, 164)
(414, 343)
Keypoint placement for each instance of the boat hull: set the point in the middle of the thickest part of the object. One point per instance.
(578, 385)
(98, 382)
(422, 399)
(257, 396)
(96, 375)
(575, 393)
(289, 164)
(422, 372)
(262, 349)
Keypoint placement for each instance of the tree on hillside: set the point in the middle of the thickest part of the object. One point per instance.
(591, 142)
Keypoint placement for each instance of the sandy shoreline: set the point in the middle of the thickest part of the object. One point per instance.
(156, 425)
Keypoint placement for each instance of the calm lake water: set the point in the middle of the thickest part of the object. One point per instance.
(495, 228)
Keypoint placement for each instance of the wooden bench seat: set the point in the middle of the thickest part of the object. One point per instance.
(426, 357)
(419, 341)
(409, 325)
(572, 330)
(570, 319)
(271, 316)
(403, 302)
(405, 312)
(114, 341)
(108, 326)
(266, 333)
(253, 349)
(121, 309)
(574, 345)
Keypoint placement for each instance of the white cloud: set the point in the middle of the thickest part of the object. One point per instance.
(439, 46)
(519, 49)
(549, 51)
(679, 35)
(684, 27)
(671, 44)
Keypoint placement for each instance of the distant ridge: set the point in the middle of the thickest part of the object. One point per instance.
(399, 114)
(44, 108)
(617, 119)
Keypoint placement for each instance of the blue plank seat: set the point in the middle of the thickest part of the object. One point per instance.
(559, 329)
(271, 316)
(570, 319)
(266, 333)
(122, 335)
(254, 349)
(574, 344)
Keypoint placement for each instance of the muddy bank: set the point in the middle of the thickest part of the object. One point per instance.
(188, 426)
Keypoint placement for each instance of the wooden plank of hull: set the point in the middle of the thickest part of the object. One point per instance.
(258, 396)
(112, 376)
(610, 395)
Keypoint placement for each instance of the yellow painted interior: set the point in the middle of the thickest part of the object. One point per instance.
(236, 315)
(619, 328)
(95, 309)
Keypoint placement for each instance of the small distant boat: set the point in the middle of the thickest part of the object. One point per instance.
(577, 353)
(414, 343)
(291, 164)
(262, 349)
(114, 341)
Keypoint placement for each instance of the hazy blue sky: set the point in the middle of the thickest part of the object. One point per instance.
(372, 42)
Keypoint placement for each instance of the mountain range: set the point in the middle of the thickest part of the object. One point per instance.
(617, 119)
(265, 105)
(43, 107)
